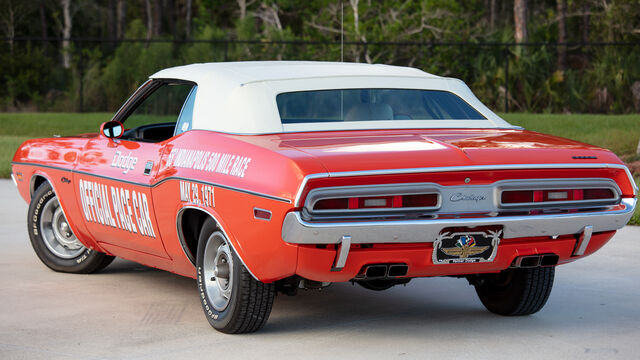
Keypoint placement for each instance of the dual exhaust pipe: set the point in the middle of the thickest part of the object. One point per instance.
(533, 261)
(383, 271)
(390, 271)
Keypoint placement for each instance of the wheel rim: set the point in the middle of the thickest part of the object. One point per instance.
(56, 232)
(218, 271)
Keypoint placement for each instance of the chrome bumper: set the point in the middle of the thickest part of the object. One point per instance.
(297, 231)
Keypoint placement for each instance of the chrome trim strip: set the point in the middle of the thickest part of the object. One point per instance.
(267, 196)
(226, 187)
(14, 180)
(297, 231)
(585, 238)
(304, 183)
(465, 168)
(477, 168)
(221, 229)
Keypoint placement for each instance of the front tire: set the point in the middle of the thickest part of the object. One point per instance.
(515, 292)
(233, 301)
(52, 238)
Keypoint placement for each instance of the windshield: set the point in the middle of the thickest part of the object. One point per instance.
(372, 104)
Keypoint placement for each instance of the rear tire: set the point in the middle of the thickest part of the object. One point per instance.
(233, 301)
(515, 292)
(52, 238)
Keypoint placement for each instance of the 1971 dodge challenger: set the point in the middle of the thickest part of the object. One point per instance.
(263, 177)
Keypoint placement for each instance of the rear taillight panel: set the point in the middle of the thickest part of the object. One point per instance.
(435, 200)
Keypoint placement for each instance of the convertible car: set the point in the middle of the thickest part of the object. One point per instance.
(257, 178)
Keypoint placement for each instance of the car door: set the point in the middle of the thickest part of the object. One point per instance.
(114, 177)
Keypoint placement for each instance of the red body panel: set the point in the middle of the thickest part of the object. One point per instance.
(134, 215)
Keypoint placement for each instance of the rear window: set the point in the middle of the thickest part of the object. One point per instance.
(372, 104)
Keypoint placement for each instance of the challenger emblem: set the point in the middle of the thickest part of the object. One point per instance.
(465, 245)
(466, 197)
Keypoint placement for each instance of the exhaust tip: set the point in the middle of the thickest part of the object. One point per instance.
(530, 261)
(376, 271)
(398, 270)
(549, 260)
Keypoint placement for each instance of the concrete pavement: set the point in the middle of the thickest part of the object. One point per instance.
(134, 312)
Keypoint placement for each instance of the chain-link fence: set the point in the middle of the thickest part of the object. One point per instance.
(96, 74)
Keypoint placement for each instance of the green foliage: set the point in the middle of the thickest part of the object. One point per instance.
(26, 75)
(596, 78)
(635, 219)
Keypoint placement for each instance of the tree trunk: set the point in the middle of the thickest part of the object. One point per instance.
(9, 22)
(149, 18)
(157, 18)
(356, 27)
(520, 20)
(111, 20)
(585, 23)
(66, 33)
(170, 14)
(492, 15)
(43, 21)
(43, 28)
(562, 34)
(242, 4)
(187, 20)
(122, 19)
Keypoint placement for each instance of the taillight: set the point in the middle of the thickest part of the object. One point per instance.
(593, 194)
(534, 196)
(379, 202)
(331, 204)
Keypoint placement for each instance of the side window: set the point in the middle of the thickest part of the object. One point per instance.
(186, 114)
(154, 118)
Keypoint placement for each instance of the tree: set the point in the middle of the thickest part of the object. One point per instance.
(121, 22)
(520, 20)
(13, 15)
(187, 19)
(562, 34)
(66, 33)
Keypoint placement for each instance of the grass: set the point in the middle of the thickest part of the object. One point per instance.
(619, 133)
(18, 127)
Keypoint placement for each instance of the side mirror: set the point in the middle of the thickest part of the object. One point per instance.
(112, 129)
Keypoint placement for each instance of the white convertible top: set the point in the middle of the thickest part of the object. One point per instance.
(240, 97)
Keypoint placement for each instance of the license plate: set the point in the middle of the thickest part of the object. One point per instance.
(466, 245)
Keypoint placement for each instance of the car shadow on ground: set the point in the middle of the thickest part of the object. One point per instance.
(429, 304)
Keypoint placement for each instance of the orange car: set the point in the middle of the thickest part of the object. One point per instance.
(264, 177)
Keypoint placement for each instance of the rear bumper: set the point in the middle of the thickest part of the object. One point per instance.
(295, 230)
(315, 263)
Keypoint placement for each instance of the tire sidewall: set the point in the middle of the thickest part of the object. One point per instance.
(40, 198)
(218, 319)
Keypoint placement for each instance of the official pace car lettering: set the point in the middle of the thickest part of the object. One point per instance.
(126, 162)
(199, 194)
(229, 164)
(130, 208)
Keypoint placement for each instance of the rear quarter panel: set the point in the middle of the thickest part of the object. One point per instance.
(54, 160)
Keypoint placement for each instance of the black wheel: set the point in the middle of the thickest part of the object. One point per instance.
(52, 238)
(515, 292)
(233, 301)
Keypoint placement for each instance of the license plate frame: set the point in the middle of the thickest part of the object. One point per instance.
(467, 245)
